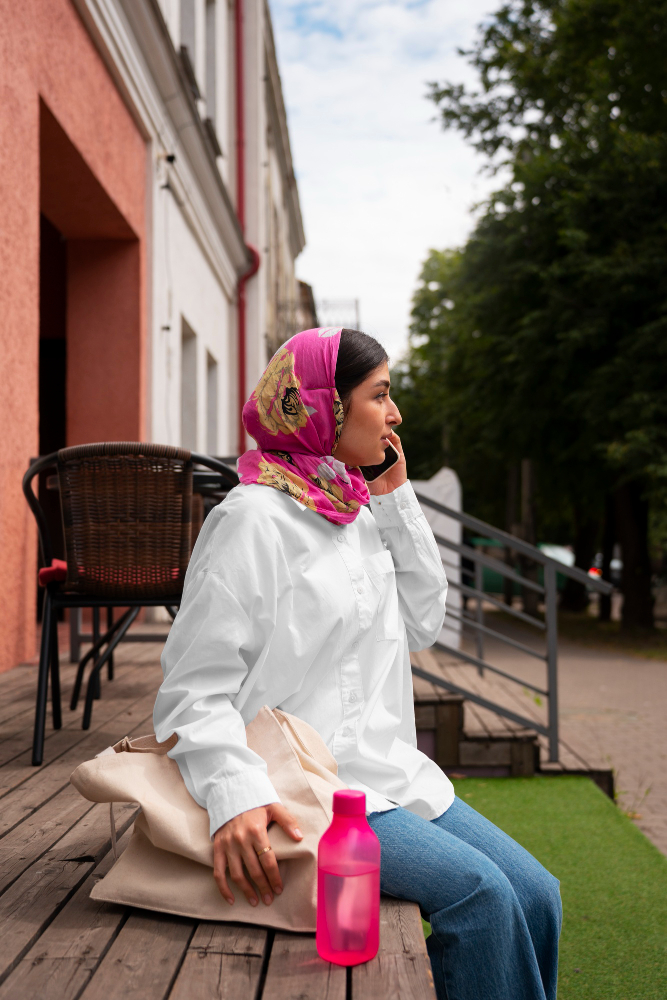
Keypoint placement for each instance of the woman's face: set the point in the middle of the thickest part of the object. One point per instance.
(369, 421)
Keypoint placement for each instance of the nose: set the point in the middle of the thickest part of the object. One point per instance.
(394, 416)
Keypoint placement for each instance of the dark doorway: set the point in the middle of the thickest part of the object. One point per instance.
(52, 370)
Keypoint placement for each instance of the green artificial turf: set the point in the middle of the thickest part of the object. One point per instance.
(613, 881)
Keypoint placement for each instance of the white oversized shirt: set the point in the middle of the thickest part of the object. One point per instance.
(281, 607)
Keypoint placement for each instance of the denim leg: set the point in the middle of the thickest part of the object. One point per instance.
(480, 947)
(537, 889)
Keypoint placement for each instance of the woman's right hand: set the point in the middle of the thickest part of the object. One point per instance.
(238, 841)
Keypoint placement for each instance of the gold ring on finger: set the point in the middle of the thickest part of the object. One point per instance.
(264, 849)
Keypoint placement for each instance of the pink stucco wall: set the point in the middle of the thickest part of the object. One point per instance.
(48, 62)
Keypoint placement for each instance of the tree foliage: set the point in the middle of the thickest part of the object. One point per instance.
(546, 335)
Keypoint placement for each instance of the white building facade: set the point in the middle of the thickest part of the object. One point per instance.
(201, 79)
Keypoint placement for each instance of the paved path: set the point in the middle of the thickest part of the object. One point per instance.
(613, 713)
(613, 710)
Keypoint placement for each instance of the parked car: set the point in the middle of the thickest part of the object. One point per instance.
(615, 569)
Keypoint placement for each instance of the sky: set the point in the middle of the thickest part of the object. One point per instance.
(380, 182)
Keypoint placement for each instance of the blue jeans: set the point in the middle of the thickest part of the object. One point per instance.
(495, 912)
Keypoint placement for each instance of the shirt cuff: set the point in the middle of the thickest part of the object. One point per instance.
(396, 508)
(237, 794)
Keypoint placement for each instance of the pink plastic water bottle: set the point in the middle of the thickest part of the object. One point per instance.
(348, 884)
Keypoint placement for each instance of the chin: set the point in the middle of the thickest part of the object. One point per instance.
(376, 459)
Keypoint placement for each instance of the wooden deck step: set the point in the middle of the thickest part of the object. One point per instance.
(462, 737)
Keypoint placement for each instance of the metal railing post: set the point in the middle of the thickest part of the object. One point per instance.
(528, 583)
(551, 616)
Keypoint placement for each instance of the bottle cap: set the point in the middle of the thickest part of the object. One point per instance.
(349, 802)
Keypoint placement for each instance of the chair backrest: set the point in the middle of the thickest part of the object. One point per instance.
(127, 518)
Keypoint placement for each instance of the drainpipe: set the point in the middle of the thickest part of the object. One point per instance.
(240, 211)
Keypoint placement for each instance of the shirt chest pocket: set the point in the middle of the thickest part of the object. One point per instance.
(381, 572)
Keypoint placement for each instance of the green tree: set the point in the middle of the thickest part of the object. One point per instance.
(556, 348)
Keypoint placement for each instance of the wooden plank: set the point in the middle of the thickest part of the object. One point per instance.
(63, 958)
(90, 838)
(20, 678)
(224, 962)
(27, 842)
(17, 698)
(449, 732)
(440, 665)
(48, 780)
(296, 970)
(401, 970)
(17, 766)
(18, 718)
(143, 960)
(486, 753)
(21, 701)
(24, 913)
(29, 906)
(20, 743)
(524, 758)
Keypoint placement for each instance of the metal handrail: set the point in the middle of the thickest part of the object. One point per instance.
(490, 562)
(483, 702)
(496, 635)
(477, 662)
(514, 612)
(512, 542)
(551, 567)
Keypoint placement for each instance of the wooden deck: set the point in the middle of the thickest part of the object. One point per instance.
(57, 943)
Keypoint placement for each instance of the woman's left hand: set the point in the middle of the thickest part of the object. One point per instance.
(397, 475)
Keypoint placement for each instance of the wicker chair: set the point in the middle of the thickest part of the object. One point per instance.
(127, 511)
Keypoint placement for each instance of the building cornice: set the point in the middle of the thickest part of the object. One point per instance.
(134, 41)
(276, 107)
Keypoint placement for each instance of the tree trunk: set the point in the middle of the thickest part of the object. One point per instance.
(510, 525)
(530, 598)
(632, 533)
(608, 541)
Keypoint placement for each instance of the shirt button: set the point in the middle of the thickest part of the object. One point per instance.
(353, 697)
(341, 538)
(360, 590)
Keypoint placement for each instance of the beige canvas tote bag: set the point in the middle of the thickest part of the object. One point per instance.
(168, 862)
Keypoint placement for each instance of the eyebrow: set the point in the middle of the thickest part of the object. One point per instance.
(383, 382)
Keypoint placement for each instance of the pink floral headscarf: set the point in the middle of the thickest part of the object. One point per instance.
(296, 416)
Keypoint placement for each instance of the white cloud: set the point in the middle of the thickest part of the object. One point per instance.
(379, 182)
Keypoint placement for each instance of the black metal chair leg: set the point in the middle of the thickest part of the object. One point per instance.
(92, 655)
(96, 639)
(56, 709)
(42, 682)
(74, 633)
(109, 626)
(88, 709)
(76, 690)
